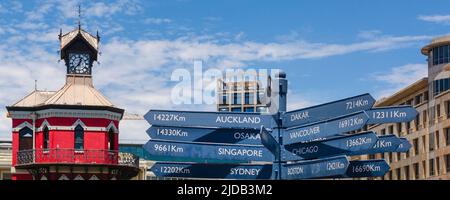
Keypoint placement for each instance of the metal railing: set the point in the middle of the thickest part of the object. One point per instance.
(74, 156)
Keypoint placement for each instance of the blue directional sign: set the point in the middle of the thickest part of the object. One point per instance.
(220, 171)
(328, 110)
(391, 114)
(211, 135)
(404, 146)
(269, 142)
(320, 168)
(325, 129)
(385, 143)
(367, 168)
(208, 151)
(342, 145)
(208, 119)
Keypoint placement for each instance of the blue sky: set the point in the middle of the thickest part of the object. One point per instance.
(329, 49)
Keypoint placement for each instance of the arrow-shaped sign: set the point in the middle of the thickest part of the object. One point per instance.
(220, 171)
(385, 143)
(367, 168)
(208, 119)
(328, 110)
(340, 145)
(348, 123)
(404, 146)
(320, 168)
(325, 129)
(209, 151)
(391, 114)
(210, 135)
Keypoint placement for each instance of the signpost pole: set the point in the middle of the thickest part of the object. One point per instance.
(280, 100)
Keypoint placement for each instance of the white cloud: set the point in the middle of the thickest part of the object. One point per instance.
(399, 77)
(442, 19)
(157, 21)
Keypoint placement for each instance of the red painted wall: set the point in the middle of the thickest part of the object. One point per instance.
(64, 139)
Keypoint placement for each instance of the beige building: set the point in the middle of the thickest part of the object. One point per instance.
(5, 159)
(242, 96)
(429, 133)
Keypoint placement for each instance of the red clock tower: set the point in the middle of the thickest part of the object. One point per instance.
(72, 133)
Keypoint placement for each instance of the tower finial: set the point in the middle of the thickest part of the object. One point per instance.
(35, 84)
(79, 16)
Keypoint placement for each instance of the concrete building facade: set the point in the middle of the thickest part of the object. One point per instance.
(429, 133)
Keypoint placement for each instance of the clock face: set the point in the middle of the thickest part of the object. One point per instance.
(79, 63)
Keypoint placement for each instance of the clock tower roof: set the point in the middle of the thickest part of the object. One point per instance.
(78, 34)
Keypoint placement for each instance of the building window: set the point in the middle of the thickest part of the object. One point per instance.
(235, 109)
(425, 96)
(431, 142)
(25, 139)
(437, 166)
(408, 126)
(407, 173)
(249, 109)
(441, 85)
(399, 129)
(447, 104)
(440, 54)
(248, 98)
(418, 99)
(383, 131)
(79, 138)
(416, 170)
(447, 136)
(399, 175)
(111, 140)
(224, 99)
(431, 167)
(416, 146)
(399, 156)
(223, 110)
(436, 138)
(237, 98)
(447, 163)
(390, 157)
(391, 129)
(46, 137)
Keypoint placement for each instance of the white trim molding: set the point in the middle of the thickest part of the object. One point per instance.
(22, 125)
(46, 113)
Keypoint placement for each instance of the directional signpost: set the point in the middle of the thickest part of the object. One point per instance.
(308, 143)
(213, 135)
(367, 168)
(343, 145)
(327, 111)
(320, 168)
(222, 171)
(208, 151)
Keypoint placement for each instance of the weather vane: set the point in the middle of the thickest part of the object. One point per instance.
(79, 16)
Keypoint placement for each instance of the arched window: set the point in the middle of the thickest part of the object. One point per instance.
(46, 137)
(79, 138)
(111, 139)
(25, 139)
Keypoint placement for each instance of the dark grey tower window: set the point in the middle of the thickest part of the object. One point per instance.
(79, 138)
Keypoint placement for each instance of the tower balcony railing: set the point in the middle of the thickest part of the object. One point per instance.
(75, 156)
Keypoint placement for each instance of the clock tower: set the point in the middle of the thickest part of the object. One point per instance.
(79, 50)
(72, 133)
